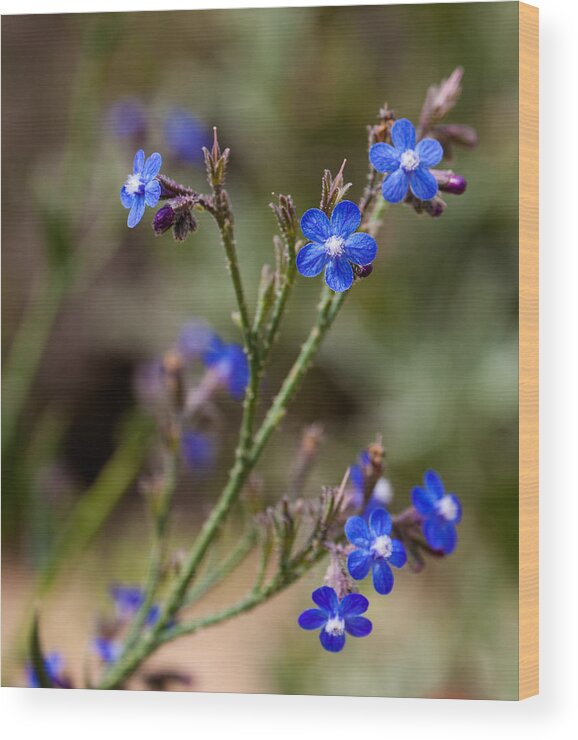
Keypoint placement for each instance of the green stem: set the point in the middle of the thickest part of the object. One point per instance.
(246, 460)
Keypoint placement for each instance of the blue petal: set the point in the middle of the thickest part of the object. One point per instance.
(312, 619)
(353, 604)
(326, 599)
(361, 249)
(315, 225)
(358, 564)
(126, 198)
(403, 135)
(152, 193)
(152, 166)
(382, 577)
(345, 219)
(311, 259)
(430, 152)
(339, 275)
(380, 522)
(239, 374)
(357, 532)
(440, 535)
(139, 160)
(356, 476)
(398, 557)
(423, 184)
(384, 157)
(358, 626)
(215, 351)
(434, 484)
(198, 450)
(195, 339)
(395, 186)
(423, 500)
(136, 212)
(332, 643)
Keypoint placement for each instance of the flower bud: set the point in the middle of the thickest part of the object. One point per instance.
(184, 224)
(449, 182)
(362, 271)
(163, 219)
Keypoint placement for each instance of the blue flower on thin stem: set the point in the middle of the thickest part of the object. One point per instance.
(375, 550)
(441, 512)
(53, 665)
(229, 361)
(334, 618)
(405, 164)
(334, 245)
(128, 600)
(141, 188)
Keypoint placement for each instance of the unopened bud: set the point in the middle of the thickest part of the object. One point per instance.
(184, 224)
(449, 182)
(163, 219)
(362, 271)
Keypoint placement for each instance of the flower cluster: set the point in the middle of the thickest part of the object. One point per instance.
(373, 548)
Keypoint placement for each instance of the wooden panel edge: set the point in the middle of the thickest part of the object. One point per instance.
(528, 636)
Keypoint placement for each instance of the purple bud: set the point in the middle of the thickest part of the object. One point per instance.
(163, 219)
(449, 182)
(362, 271)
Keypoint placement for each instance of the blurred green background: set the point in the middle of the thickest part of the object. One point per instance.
(425, 351)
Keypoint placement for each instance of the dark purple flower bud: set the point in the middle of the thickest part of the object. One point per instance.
(449, 182)
(163, 220)
(362, 271)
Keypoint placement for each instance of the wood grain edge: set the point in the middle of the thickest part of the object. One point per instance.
(528, 636)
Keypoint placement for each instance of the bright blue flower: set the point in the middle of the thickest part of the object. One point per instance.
(441, 512)
(141, 188)
(229, 361)
(127, 599)
(335, 618)
(375, 550)
(127, 118)
(185, 136)
(108, 651)
(198, 450)
(406, 165)
(334, 245)
(53, 665)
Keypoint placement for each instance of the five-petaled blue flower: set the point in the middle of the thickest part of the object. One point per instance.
(375, 550)
(53, 665)
(230, 363)
(406, 165)
(335, 618)
(441, 512)
(333, 245)
(141, 187)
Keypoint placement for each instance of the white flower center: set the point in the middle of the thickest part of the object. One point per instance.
(335, 626)
(383, 492)
(334, 246)
(447, 507)
(409, 160)
(382, 546)
(133, 183)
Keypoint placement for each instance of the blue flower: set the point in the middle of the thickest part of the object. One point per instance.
(229, 361)
(375, 550)
(406, 165)
(441, 512)
(53, 665)
(127, 118)
(141, 187)
(127, 599)
(185, 136)
(333, 245)
(198, 450)
(108, 651)
(335, 618)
